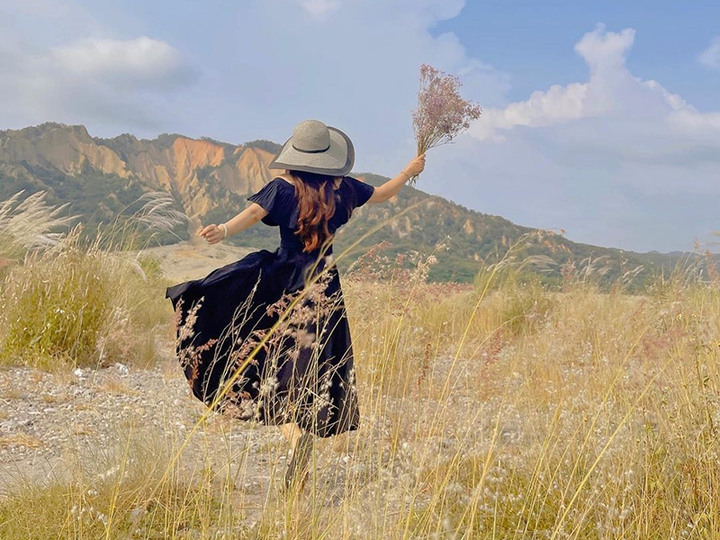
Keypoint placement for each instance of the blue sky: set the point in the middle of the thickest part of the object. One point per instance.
(600, 118)
(534, 41)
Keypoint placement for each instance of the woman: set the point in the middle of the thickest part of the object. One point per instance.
(266, 338)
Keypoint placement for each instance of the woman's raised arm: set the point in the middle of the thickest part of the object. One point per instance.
(392, 187)
(248, 217)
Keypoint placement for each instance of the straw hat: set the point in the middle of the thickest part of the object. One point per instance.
(316, 148)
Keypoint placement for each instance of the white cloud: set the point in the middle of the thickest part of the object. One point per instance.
(615, 160)
(319, 8)
(558, 104)
(261, 66)
(710, 57)
(612, 93)
(605, 54)
(141, 60)
(605, 50)
(96, 81)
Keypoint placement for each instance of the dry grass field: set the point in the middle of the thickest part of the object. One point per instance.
(499, 410)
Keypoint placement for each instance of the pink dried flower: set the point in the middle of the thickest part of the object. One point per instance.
(441, 114)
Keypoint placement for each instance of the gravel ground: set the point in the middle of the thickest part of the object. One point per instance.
(71, 424)
(54, 426)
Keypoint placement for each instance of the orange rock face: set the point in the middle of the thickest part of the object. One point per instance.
(191, 169)
(188, 155)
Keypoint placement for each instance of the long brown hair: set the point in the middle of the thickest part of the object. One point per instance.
(316, 195)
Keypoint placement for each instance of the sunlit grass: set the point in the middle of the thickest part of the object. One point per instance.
(499, 410)
(67, 300)
(593, 417)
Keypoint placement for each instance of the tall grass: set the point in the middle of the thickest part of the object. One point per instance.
(596, 418)
(26, 224)
(500, 410)
(69, 300)
(120, 492)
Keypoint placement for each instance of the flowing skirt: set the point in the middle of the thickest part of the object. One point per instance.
(259, 342)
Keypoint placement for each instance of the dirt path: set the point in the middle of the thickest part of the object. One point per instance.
(57, 426)
(71, 425)
(195, 259)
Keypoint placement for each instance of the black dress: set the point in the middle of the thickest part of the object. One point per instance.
(266, 338)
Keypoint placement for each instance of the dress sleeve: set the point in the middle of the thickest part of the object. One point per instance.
(363, 190)
(277, 200)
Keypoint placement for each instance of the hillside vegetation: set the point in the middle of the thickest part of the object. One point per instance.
(209, 181)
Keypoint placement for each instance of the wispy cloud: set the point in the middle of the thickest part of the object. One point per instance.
(319, 8)
(356, 67)
(92, 80)
(710, 57)
(140, 61)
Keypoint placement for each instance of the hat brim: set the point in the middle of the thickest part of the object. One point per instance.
(337, 160)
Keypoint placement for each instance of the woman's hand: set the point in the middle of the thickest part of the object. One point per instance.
(416, 166)
(212, 233)
(250, 216)
(392, 187)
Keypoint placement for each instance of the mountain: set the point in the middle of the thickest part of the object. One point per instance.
(209, 181)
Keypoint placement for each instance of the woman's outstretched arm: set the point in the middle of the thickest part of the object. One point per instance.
(393, 187)
(248, 217)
